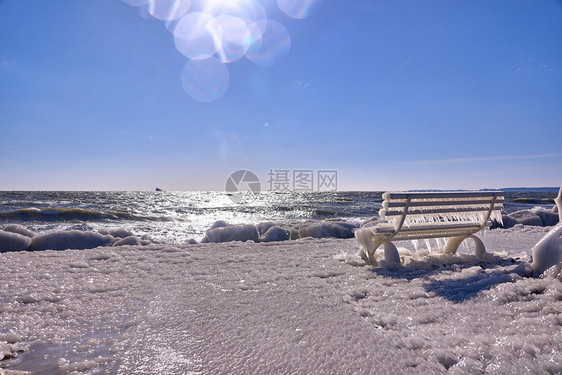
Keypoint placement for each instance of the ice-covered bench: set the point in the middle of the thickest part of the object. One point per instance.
(412, 216)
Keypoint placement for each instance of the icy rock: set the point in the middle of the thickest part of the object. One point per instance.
(232, 233)
(496, 224)
(275, 233)
(370, 222)
(219, 224)
(547, 252)
(129, 240)
(264, 227)
(20, 229)
(8, 351)
(293, 233)
(548, 218)
(508, 222)
(10, 241)
(69, 240)
(325, 229)
(526, 217)
(121, 233)
(192, 241)
(117, 233)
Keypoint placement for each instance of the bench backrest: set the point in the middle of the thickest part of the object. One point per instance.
(413, 208)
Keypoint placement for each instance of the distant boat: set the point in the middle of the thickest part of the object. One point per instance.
(158, 189)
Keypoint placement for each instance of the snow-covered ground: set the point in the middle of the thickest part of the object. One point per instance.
(293, 307)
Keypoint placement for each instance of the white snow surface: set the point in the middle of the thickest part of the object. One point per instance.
(297, 307)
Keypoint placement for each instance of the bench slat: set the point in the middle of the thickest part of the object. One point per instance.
(416, 203)
(428, 227)
(448, 195)
(429, 211)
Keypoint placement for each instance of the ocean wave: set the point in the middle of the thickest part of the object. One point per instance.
(325, 213)
(63, 214)
(534, 200)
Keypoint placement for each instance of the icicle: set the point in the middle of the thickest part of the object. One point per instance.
(428, 245)
(416, 245)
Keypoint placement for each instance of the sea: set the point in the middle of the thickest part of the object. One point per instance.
(175, 217)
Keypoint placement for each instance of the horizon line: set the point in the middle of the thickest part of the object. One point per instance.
(483, 158)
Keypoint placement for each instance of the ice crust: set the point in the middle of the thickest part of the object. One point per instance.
(294, 307)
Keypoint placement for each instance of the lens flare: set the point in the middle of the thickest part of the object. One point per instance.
(167, 10)
(198, 35)
(298, 9)
(245, 9)
(235, 38)
(270, 45)
(214, 32)
(135, 3)
(205, 80)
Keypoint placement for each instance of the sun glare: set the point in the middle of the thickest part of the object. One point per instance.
(214, 32)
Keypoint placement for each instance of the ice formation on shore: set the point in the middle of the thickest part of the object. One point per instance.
(15, 237)
(547, 253)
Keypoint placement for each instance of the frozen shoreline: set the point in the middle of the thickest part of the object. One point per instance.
(299, 307)
(176, 217)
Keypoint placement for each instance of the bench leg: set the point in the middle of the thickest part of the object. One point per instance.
(366, 239)
(454, 242)
(369, 244)
(480, 249)
(391, 253)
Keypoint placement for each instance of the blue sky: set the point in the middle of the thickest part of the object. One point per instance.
(391, 94)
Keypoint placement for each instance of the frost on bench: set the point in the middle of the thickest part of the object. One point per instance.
(413, 216)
